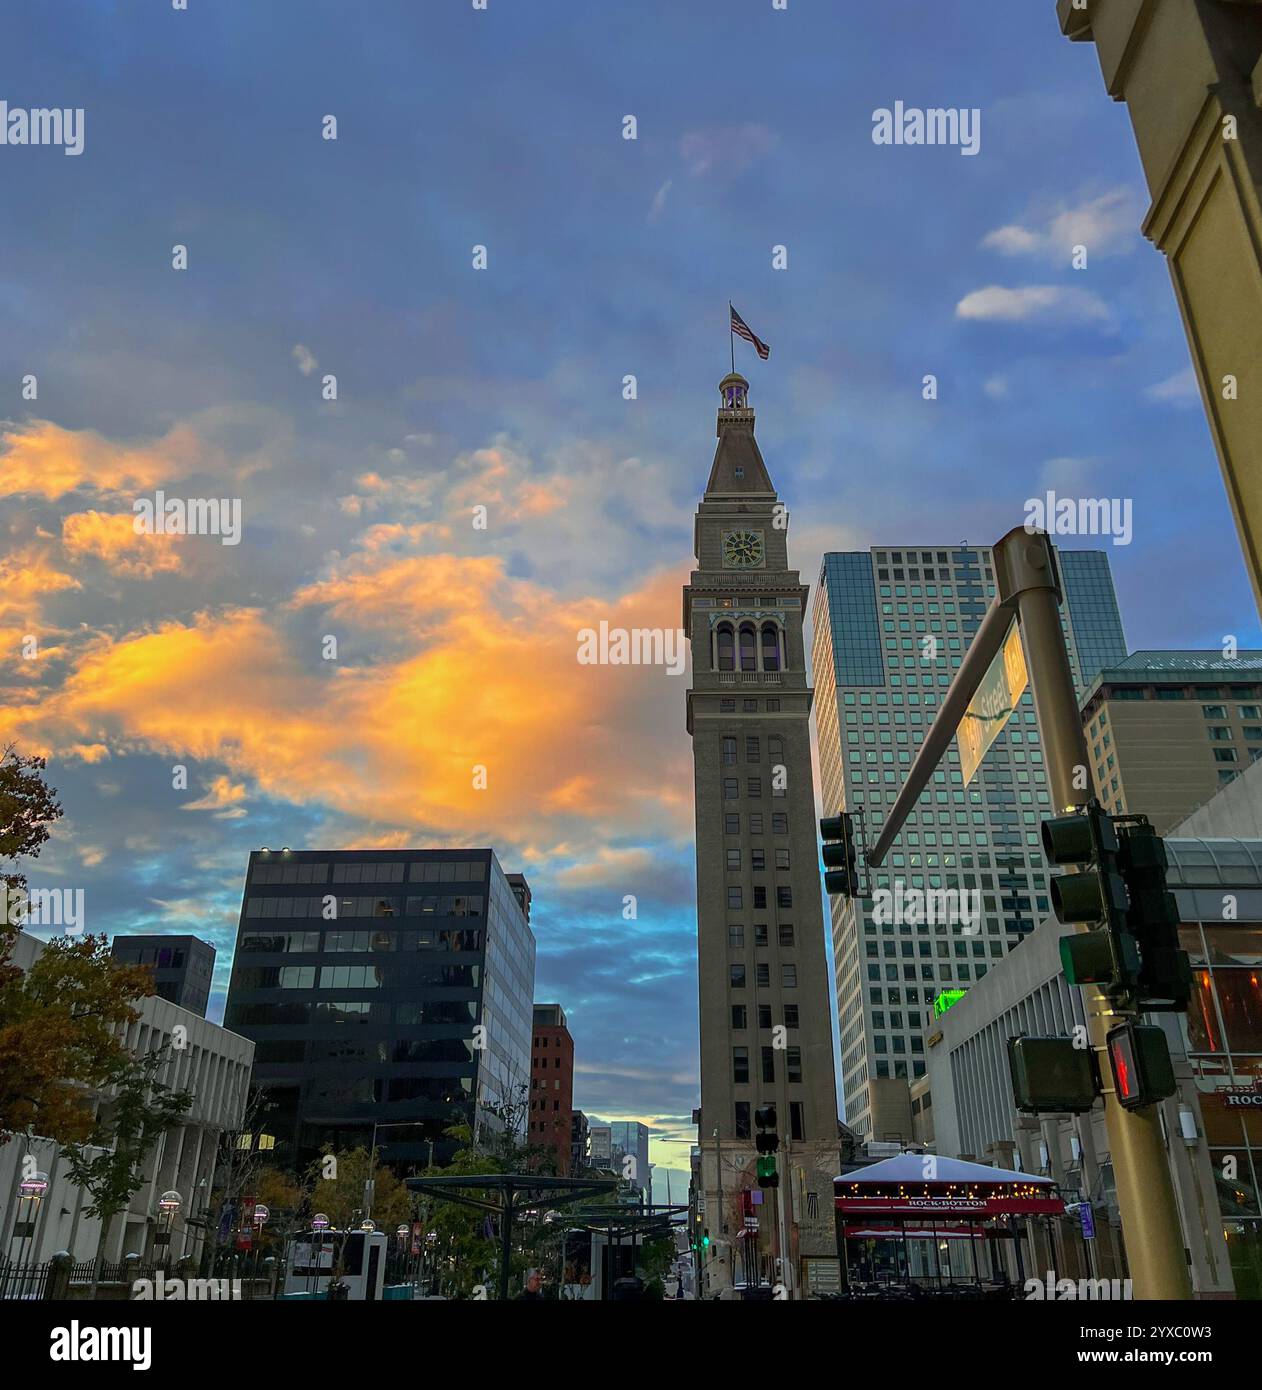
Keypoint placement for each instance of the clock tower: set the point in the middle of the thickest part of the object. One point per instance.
(762, 961)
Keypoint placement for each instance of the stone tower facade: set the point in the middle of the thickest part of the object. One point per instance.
(763, 967)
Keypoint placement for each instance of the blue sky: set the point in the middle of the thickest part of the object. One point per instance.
(606, 257)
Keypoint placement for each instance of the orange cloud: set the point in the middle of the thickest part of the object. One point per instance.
(481, 682)
(40, 459)
(111, 537)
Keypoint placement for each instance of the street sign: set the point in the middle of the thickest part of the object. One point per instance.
(993, 702)
(1087, 1217)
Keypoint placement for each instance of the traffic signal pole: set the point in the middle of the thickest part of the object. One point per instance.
(1029, 590)
(1145, 1190)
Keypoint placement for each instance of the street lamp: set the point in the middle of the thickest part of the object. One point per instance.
(169, 1205)
(319, 1224)
(31, 1190)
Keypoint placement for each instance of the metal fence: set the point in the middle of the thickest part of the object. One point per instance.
(24, 1281)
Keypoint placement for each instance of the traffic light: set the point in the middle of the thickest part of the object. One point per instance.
(1096, 894)
(1051, 1075)
(1165, 973)
(840, 855)
(767, 1141)
(1140, 1058)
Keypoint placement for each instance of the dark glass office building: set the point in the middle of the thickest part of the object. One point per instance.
(381, 987)
(182, 966)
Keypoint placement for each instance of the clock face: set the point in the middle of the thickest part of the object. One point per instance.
(742, 548)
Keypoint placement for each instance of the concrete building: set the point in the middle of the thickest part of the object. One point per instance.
(552, 1085)
(204, 1058)
(890, 628)
(182, 966)
(1190, 73)
(974, 1116)
(405, 1009)
(761, 954)
(1168, 729)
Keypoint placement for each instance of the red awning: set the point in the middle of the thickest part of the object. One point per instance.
(914, 1232)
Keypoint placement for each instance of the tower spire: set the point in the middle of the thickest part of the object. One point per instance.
(738, 468)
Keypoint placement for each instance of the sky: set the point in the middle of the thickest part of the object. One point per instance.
(504, 388)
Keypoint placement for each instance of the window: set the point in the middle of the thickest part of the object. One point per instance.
(1218, 733)
(786, 933)
(758, 859)
(731, 824)
(739, 1019)
(752, 745)
(1249, 711)
(1214, 711)
(1224, 755)
(729, 751)
(726, 648)
(764, 1016)
(784, 896)
(735, 936)
(753, 787)
(742, 1119)
(731, 788)
(770, 647)
(760, 895)
(793, 1064)
(797, 1121)
(740, 1066)
(755, 822)
(734, 861)
(760, 934)
(738, 976)
(789, 976)
(762, 975)
(734, 895)
(769, 1064)
(782, 859)
(775, 748)
(749, 656)
(790, 1015)
(779, 822)
(727, 706)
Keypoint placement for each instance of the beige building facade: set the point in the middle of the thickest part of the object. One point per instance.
(1190, 73)
(1166, 731)
(762, 965)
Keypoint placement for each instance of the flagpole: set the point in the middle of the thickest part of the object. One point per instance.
(731, 339)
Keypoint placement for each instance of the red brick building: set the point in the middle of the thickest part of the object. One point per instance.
(552, 1084)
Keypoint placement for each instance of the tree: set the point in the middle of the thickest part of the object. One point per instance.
(341, 1196)
(61, 1021)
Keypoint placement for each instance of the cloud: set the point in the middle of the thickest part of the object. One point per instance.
(41, 459)
(224, 797)
(725, 150)
(111, 538)
(996, 387)
(305, 359)
(658, 205)
(1054, 304)
(1107, 225)
(1179, 389)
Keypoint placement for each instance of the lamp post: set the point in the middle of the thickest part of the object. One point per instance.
(319, 1224)
(31, 1193)
(169, 1205)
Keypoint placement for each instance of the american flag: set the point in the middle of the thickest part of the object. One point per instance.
(743, 330)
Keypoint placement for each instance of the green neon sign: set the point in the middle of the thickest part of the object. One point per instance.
(944, 1000)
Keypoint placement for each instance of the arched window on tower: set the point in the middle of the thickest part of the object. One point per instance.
(725, 643)
(749, 651)
(771, 656)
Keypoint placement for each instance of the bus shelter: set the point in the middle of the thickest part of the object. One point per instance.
(930, 1222)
